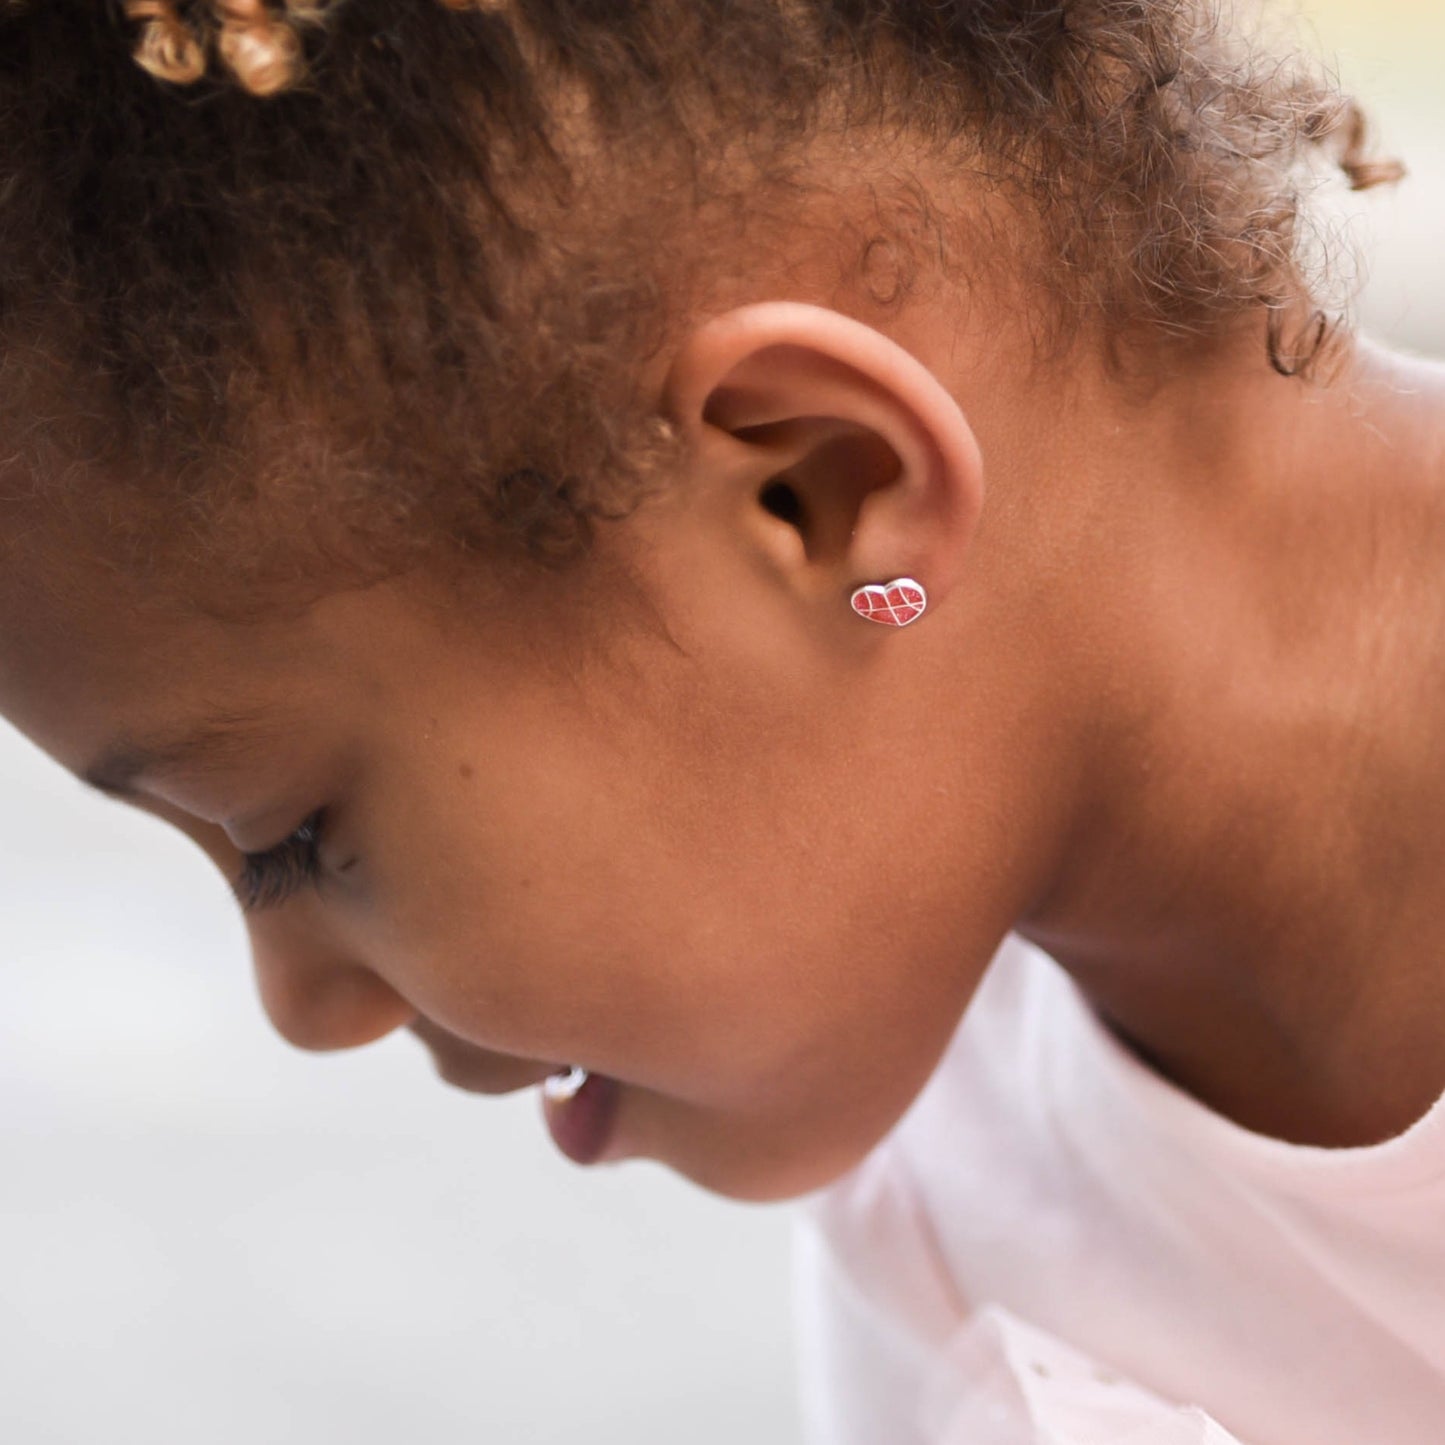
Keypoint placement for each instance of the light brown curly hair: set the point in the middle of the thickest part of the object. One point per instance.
(369, 278)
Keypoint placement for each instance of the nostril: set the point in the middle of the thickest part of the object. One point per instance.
(343, 1008)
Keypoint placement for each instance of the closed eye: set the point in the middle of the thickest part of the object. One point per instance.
(270, 879)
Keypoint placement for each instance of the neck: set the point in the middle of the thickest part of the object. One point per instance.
(1255, 648)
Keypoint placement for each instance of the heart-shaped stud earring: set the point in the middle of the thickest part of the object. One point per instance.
(894, 604)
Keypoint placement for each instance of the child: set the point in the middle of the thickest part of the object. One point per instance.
(652, 543)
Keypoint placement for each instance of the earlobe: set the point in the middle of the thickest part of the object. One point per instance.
(843, 440)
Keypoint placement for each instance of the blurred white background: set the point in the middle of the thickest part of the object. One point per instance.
(206, 1237)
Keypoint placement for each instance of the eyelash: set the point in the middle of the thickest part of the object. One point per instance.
(269, 879)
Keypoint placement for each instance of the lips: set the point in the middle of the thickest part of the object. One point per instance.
(580, 1119)
(582, 1125)
(478, 1071)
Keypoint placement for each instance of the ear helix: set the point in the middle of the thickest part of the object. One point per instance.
(894, 604)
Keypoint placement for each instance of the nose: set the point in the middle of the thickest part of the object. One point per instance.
(319, 999)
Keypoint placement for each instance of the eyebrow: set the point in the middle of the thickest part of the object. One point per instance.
(207, 746)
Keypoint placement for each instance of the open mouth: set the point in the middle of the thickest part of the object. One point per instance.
(563, 1086)
(581, 1110)
(580, 1106)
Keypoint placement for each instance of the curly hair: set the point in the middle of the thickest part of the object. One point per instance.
(379, 276)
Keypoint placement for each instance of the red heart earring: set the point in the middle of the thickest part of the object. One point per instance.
(894, 604)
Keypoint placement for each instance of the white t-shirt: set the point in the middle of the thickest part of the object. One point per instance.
(1057, 1247)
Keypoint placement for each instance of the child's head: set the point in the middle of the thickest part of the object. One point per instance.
(483, 413)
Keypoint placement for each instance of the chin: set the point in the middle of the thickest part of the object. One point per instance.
(766, 1174)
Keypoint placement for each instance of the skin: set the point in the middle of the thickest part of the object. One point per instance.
(683, 819)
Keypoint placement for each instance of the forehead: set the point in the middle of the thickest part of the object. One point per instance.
(89, 659)
(97, 666)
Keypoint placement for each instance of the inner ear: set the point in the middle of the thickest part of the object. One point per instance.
(781, 499)
(834, 468)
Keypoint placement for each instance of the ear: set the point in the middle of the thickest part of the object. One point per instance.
(844, 456)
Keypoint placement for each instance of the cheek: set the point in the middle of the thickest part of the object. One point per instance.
(673, 904)
(692, 944)
(510, 901)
